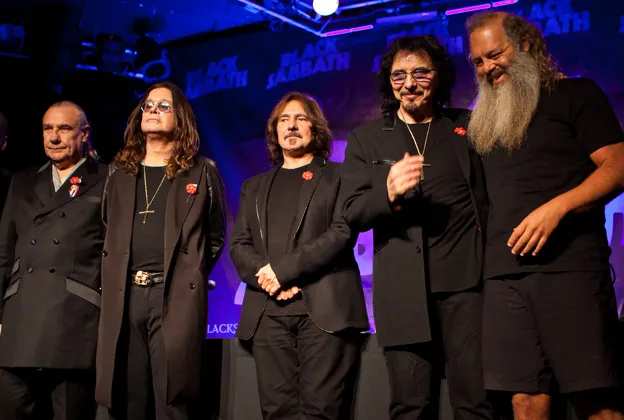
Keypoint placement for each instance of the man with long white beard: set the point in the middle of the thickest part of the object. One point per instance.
(553, 155)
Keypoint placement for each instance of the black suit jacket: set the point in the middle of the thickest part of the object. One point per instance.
(399, 286)
(320, 256)
(50, 252)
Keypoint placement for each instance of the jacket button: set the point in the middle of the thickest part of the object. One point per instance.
(52, 270)
(185, 250)
(56, 241)
(32, 241)
(418, 249)
(105, 253)
(99, 289)
(478, 228)
(30, 270)
(62, 214)
(191, 286)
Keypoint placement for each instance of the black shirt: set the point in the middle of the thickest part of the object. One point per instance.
(572, 120)
(281, 223)
(148, 239)
(449, 221)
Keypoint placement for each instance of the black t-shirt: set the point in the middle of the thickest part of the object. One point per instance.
(281, 221)
(148, 239)
(449, 222)
(572, 121)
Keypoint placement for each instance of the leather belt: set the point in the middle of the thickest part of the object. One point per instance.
(147, 279)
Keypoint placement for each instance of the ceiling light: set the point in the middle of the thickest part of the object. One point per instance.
(325, 7)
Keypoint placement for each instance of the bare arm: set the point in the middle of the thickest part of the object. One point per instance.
(605, 182)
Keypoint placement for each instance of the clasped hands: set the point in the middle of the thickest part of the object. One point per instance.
(267, 280)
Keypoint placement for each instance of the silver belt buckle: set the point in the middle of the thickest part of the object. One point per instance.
(143, 278)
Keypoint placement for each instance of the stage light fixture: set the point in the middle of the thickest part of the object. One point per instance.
(325, 7)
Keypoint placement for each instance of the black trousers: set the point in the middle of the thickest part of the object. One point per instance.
(304, 372)
(140, 378)
(59, 394)
(415, 371)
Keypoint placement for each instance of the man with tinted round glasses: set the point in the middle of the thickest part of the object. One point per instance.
(411, 177)
(165, 216)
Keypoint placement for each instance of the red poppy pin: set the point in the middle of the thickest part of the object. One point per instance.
(75, 185)
(307, 175)
(461, 131)
(191, 189)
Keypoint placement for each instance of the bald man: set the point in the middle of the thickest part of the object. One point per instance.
(51, 240)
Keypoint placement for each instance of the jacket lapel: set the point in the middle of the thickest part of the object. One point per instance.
(460, 144)
(125, 208)
(307, 190)
(179, 202)
(44, 188)
(89, 176)
(262, 201)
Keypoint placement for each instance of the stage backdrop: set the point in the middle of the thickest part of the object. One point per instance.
(234, 83)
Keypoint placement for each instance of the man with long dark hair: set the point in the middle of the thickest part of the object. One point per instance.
(164, 210)
(412, 178)
(51, 238)
(304, 308)
(553, 156)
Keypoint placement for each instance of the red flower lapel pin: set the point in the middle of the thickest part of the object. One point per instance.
(307, 175)
(191, 189)
(75, 185)
(461, 131)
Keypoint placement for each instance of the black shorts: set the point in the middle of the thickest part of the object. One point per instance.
(541, 330)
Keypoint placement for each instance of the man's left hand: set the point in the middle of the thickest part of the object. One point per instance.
(531, 235)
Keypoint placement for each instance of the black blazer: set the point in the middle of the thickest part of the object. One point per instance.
(50, 252)
(320, 257)
(399, 286)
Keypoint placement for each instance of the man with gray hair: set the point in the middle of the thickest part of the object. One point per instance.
(51, 238)
(553, 152)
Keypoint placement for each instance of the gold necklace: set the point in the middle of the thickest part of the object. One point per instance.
(422, 172)
(148, 202)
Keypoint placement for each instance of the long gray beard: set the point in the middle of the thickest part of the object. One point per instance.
(502, 113)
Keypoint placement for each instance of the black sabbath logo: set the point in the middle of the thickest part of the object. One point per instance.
(222, 328)
(556, 17)
(220, 75)
(321, 57)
